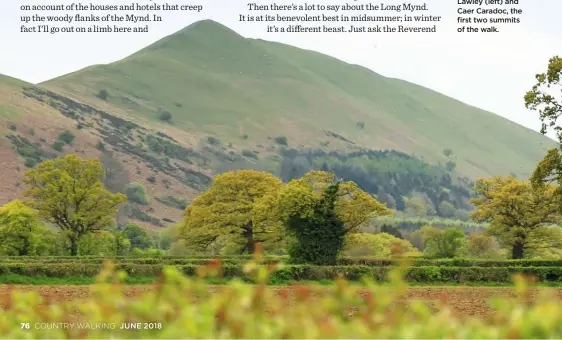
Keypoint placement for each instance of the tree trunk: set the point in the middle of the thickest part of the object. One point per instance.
(73, 245)
(249, 235)
(517, 251)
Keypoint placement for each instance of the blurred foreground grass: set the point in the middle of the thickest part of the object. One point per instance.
(180, 307)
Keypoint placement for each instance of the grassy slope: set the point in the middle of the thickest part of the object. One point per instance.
(215, 81)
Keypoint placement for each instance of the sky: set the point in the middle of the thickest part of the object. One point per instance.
(490, 71)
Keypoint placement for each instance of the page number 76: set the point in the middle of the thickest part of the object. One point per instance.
(25, 325)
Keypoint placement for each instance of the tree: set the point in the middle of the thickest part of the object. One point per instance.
(319, 211)
(353, 206)
(517, 212)
(319, 235)
(378, 245)
(19, 229)
(68, 192)
(136, 193)
(442, 243)
(481, 245)
(137, 236)
(239, 208)
(545, 96)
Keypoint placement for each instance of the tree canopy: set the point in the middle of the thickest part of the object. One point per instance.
(546, 95)
(68, 193)
(238, 208)
(20, 229)
(353, 206)
(517, 212)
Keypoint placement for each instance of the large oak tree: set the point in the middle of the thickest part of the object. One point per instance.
(68, 193)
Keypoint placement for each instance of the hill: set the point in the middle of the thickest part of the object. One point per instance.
(215, 82)
(206, 100)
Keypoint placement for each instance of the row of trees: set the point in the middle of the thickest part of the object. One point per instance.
(313, 218)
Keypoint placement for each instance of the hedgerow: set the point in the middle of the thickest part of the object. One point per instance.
(178, 260)
(419, 274)
(181, 307)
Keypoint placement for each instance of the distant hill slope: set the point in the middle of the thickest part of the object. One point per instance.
(214, 81)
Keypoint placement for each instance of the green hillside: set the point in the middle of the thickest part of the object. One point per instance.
(216, 82)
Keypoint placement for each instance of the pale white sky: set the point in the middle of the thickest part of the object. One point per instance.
(490, 71)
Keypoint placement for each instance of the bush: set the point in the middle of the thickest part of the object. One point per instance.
(103, 94)
(249, 154)
(100, 146)
(174, 202)
(281, 140)
(137, 193)
(165, 116)
(30, 162)
(67, 137)
(213, 140)
(12, 127)
(58, 145)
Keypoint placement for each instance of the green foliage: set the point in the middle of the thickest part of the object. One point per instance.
(103, 94)
(68, 193)
(544, 97)
(378, 246)
(306, 207)
(19, 229)
(238, 210)
(250, 154)
(517, 212)
(136, 213)
(213, 141)
(101, 243)
(447, 152)
(281, 140)
(442, 243)
(30, 162)
(137, 236)
(174, 202)
(100, 146)
(12, 127)
(137, 193)
(66, 137)
(319, 235)
(164, 115)
(391, 176)
(360, 125)
(482, 245)
(58, 145)
(32, 131)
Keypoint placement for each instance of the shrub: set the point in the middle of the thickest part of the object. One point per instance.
(66, 137)
(103, 94)
(249, 154)
(213, 141)
(174, 202)
(12, 127)
(58, 145)
(30, 162)
(100, 146)
(281, 140)
(137, 193)
(164, 115)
